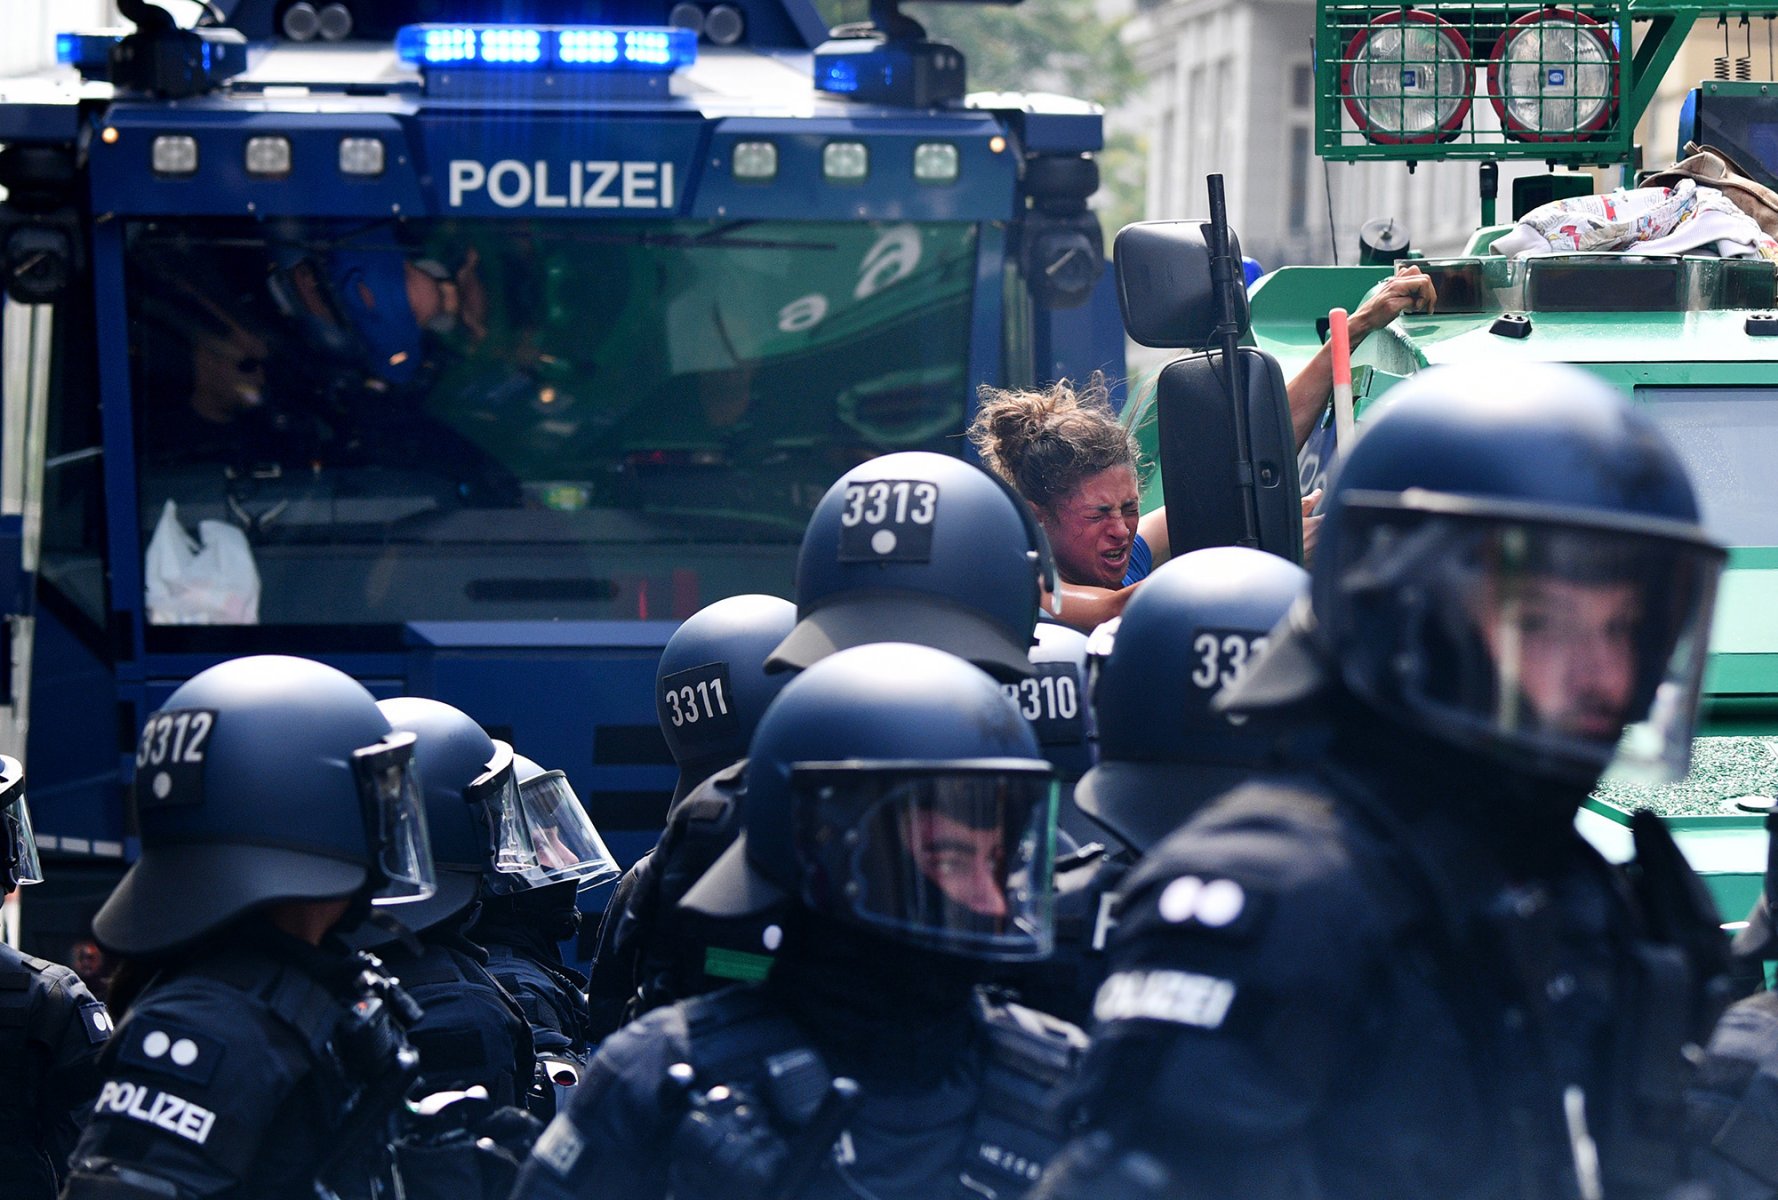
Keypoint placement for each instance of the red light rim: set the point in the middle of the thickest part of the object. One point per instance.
(1585, 24)
(1446, 130)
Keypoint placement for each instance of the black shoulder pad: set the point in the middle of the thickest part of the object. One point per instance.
(293, 997)
(701, 807)
(16, 972)
(732, 1031)
(1043, 1048)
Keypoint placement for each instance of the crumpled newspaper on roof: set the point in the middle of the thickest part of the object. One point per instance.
(1686, 219)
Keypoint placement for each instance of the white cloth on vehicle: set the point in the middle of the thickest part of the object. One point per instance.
(207, 580)
(1656, 220)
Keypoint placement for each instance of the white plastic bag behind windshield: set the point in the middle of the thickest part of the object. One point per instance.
(210, 580)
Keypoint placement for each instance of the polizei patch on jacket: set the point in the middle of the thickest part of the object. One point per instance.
(560, 1146)
(164, 1110)
(1181, 997)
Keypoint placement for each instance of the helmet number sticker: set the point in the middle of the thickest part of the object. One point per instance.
(1222, 655)
(1050, 700)
(888, 520)
(699, 703)
(170, 757)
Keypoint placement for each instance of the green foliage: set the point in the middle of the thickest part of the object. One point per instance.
(1061, 46)
(1121, 197)
(1038, 46)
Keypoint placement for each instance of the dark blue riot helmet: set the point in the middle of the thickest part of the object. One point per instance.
(1054, 698)
(1190, 630)
(260, 780)
(473, 809)
(1512, 564)
(896, 788)
(20, 864)
(712, 687)
(919, 547)
(569, 848)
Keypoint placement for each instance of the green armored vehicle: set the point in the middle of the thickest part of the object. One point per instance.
(1693, 336)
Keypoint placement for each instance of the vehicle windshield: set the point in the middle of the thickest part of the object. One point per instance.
(501, 419)
(1728, 439)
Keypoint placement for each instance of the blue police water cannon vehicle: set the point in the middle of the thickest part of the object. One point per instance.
(468, 346)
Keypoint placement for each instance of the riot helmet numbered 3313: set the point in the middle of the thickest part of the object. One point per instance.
(922, 548)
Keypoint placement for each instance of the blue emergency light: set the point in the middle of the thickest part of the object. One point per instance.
(657, 49)
(86, 51)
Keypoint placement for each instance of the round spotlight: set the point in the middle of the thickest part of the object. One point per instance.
(335, 22)
(1406, 78)
(1553, 76)
(301, 21)
(687, 16)
(724, 24)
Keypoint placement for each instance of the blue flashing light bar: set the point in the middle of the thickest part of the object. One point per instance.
(563, 47)
(85, 49)
(839, 76)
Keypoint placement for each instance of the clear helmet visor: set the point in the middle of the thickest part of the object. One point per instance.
(567, 842)
(395, 820)
(1582, 648)
(956, 858)
(15, 824)
(495, 794)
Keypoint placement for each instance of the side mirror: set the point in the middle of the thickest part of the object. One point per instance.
(1199, 448)
(1164, 284)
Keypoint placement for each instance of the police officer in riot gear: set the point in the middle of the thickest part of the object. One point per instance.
(711, 688)
(472, 1032)
(1732, 1109)
(1163, 753)
(914, 547)
(51, 1029)
(522, 931)
(255, 1055)
(1190, 632)
(1405, 974)
(898, 815)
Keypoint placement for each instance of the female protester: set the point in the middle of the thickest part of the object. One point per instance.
(1074, 462)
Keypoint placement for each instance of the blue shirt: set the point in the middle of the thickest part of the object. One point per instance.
(1141, 562)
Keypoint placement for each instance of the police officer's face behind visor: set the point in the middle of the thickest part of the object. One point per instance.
(967, 863)
(1566, 649)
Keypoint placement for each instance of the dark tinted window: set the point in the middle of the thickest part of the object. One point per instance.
(494, 420)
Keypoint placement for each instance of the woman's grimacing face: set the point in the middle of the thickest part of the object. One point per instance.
(1092, 528)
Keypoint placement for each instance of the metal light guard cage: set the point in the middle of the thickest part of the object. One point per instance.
(1646, 36)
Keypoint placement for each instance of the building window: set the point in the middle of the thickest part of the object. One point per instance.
(1297, 192)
